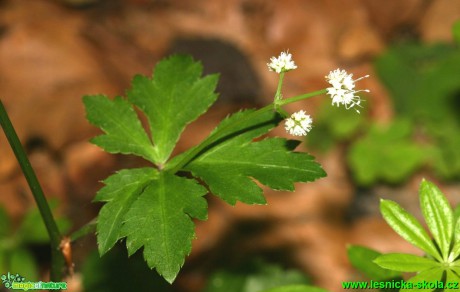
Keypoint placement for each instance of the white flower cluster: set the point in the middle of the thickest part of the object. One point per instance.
(283, 63)
(343, 89)
(342, 92)
(299, 124)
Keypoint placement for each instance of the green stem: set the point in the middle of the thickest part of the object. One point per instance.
(57, 259)
(89, 227)
(301, 97)
(278, 95)
(211, 139)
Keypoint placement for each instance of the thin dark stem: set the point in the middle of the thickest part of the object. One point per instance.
(57, 260)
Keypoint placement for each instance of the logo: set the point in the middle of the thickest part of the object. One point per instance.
(17, 282)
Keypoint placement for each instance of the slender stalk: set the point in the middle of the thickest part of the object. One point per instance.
(210, 139)
(57, 260)
(89, 227)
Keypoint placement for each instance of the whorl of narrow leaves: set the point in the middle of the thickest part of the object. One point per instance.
(152, 207)
(443, 250)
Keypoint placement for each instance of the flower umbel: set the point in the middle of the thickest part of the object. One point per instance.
(283, 63)
(342, 90)
(299, 124)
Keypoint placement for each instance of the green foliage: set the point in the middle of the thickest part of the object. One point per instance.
(15, 256)
(443, 251)
(115, 272)
(175, 96)
(362, 258)
(153, 207)
(385, 153)
(334, 125)
(423, 81)
(255, 277)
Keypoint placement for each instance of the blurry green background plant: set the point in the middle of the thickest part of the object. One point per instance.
(18, 242)
(423, 81)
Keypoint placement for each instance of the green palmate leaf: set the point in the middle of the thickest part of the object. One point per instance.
(362, 258)
(438, 215)
(123, 130)
(420, 281)
(226, 168)
(407, 227)
(121, 191)
(405, 262)
(174, 97)
(160, 221)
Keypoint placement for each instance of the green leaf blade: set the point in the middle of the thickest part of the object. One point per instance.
(120, 191)
(227, 167)
(123, 130)
(438, 215)
(362, 258)
(172, 99)
(402, 262)
(419, 281)
(160, 221)
(407, 227)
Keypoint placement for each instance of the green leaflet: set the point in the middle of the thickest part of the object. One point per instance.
(438, 215)
(160, 221)
(407, 227)
(362, 259)
(124, 132)
(405, 262)
(174, 97)
(427, 276)
(244, 125)
(120, 192)
(227, 167)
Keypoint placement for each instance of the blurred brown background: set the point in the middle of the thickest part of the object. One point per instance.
(54, 52)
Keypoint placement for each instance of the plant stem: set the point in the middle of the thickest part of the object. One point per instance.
(57, 260)
(89, 227)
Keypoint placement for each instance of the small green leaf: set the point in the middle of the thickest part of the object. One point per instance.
(160, 221)
(407, 227)
(385, 153)
(438, 215)
(420, 281)
(405, 262)
(175, 96)
(297, 288)
(227, 168)
(33, 229)
(362, 258)
(120, 191)
(124, 132)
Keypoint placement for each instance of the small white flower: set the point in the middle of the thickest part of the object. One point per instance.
(342, 90)
(283, 63)
(299, 124)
